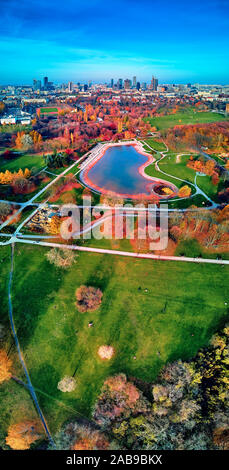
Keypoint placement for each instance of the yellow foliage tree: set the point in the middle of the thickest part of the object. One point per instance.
(27, 173)
(185, 191)
(167, 190)
(8, 177)
(55, 225)
(120, 125)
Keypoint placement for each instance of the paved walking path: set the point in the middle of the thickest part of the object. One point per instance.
(126, 253)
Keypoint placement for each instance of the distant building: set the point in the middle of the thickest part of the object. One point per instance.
(112, 83)
(45, 83)
(120, 83)
(70, 87)
(16, 117)
(36, 85)
(127, 84)
(154, 84)
(134, 82)
(138, 86)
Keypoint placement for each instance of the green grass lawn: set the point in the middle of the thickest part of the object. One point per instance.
(189, 116)
(176, 166)
(23, 161)
(205, 183)
(176, 169)
(48, 110)
(158, 146)
(183, 305)
(15, 401)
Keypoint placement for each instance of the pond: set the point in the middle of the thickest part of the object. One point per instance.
(120, 170)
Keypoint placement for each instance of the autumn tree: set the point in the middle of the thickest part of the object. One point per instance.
(67, 384)
(184, 191)
(26, 142)
(54, 226)
(5, 210)
(106, 352)
(88, 298)
(76, 436)
(62, 258)
(22, 435)
(5, 366)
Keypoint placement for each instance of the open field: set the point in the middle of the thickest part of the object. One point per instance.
(15, 401)
(189, 116)
(174, 165)
(157, 146)
(23, 161)
(11, 128)
(48, 110)
(156, 311)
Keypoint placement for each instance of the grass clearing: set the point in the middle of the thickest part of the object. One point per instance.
(156, 311)
(187, 117)
(23, 161)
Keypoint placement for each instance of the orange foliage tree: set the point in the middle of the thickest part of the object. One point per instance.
(90, 440)
(22, 435)
(5, 365)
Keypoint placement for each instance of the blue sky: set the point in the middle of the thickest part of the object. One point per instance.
(178, 41)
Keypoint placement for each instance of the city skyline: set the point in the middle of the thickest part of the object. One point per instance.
(96, 41)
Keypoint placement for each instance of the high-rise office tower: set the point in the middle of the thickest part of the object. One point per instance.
(134, 82)
(127, 84)
(112, 83)
(154, 83)
(138, 86)
(70, 87)
(120, 83)
(37, 84)
(46, 83)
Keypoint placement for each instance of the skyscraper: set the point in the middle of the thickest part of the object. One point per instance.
(154, 83)
(70, 87)
(37, 84)
(134, 82)
(127, 84)
(120, 83)
(46, 83)
(112, 83)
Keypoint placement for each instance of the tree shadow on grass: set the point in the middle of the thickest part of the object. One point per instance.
(32, 294)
